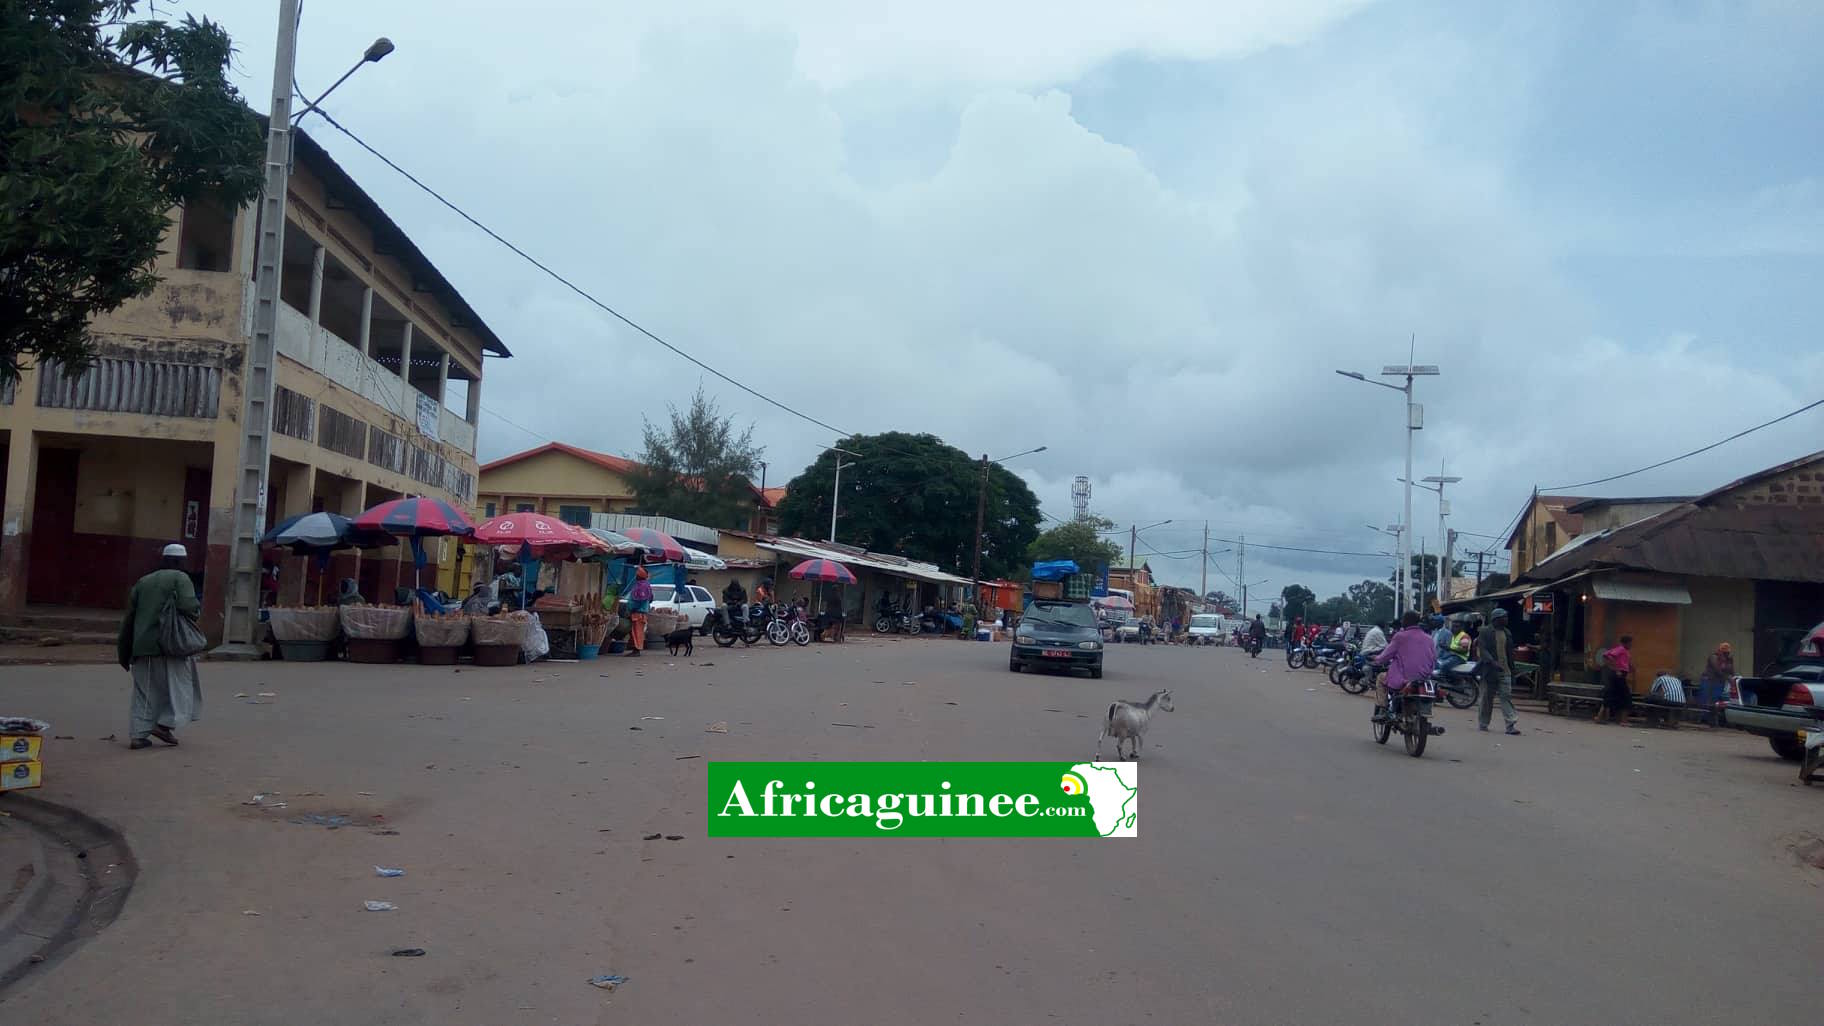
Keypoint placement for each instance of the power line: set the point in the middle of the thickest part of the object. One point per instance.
(1694, 452)
(567, 283)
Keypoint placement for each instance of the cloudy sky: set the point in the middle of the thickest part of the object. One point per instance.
(1143, 235)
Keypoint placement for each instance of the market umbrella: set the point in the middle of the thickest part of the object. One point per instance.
(415, 519)
(618, 544)
(657, 543)
(822, 570)
(533, 529)
(319, 534)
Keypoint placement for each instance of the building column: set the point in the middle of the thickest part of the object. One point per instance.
(408, 408)
(443, 375)
(294, 571)
(367, 318)
(16, 513)
(316, 285)
(350, 502)
(473, 415)
(224, 472)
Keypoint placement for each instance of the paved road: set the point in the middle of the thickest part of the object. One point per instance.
(1287, 870)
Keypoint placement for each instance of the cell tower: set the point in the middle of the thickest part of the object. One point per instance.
(1079, 496)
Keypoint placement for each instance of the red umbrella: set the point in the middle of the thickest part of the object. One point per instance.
(416, 518)
(822, 570)
(534, 529)
(659, 543)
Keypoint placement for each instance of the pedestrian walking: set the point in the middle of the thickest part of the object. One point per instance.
(1713, 683)
(158, 645)
(1617, 666)
(1495, 645)
(639, 600)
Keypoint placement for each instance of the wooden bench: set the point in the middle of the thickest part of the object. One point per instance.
(1563, 696)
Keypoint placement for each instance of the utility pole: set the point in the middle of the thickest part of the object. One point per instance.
(981, 508)
(1415, 421)
(1241, 571)
(243, 598)
(836, 489)
(1205, 588)
(1479, 556)
(1447, 571)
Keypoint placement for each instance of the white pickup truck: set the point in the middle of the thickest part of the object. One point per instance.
(1207, 629)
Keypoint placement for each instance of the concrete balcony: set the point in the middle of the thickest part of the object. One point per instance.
(328, 355)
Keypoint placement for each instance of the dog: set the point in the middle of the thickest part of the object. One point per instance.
(681, 639)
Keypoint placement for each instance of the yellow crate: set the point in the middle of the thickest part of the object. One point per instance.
(19, 747)
(17, 776)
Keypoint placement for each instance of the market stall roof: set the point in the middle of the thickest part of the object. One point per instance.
(697, 559)
(869, 560)
(1762, 543)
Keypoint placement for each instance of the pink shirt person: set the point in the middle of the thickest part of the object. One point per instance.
(1410, 655)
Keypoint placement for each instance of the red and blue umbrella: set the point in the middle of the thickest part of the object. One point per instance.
(823, 570)
(416, 518)
(657, 543)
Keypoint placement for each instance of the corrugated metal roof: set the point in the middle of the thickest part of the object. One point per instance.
(1761, 543)
(870, 560)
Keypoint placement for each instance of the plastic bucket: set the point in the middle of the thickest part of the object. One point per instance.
(588, 651)
(616, 647)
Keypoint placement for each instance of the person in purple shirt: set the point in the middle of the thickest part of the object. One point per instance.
(1409, 656)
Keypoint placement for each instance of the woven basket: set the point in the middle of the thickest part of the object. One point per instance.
(451, 631)
(311, 623)
(499, 630)
(376, 623)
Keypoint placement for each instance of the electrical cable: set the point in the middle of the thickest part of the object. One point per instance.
(1694, 452)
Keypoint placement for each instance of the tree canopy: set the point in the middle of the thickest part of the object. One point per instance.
(105, 124)
(1077, 541)
(1296, 600)
(697, 468)
(914, 495)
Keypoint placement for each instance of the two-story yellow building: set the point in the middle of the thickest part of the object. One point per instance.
(378, 392)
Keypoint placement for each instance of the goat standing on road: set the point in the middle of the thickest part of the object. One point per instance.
(1127, 721)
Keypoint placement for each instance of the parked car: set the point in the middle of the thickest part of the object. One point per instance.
(694, 602)
(1057, 635)
(1780, 705)
(1128, 630)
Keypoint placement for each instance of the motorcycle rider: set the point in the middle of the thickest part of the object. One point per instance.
(1410, 656)
(1257, 633)
(734, 597)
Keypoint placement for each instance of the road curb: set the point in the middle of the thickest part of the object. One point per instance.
(83, 872)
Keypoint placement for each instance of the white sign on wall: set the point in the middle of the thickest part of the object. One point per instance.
(429, 411)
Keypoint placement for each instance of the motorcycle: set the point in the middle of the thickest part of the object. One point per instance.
(1409, 712)
(1359, 675)
(747, 629)
(787, 625)
(1461, 684)
(893, 620)
(1253, 646)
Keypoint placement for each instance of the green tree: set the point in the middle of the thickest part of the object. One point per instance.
(915, 496)
(1372, 602)
(697, 468)
(1297, 600)
(1221, 600)
(106, 123)
(1077, 541)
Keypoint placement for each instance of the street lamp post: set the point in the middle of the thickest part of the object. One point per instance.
(252, 479)
(1436, 483)
(1399, 598)
(836, 489)
(981, 510)
(1415, 420)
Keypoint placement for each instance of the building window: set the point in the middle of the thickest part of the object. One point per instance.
(489, 508)
(205, 237)
(578, 515)
(1551, 537)
(524, 507)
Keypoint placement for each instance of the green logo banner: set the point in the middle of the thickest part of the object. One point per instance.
(923, 799)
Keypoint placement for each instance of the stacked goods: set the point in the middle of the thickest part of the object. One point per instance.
(660, 622)
(439, 636)
(596, 625)
(304, 635)
(557, 611)
(498, 638)
(375, 633)
(21, 742)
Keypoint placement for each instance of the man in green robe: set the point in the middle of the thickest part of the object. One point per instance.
(166, 693)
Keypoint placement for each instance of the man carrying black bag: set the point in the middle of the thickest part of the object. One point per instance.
(158, 642)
